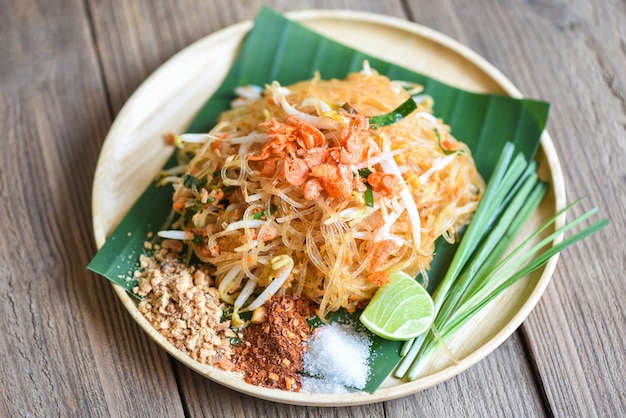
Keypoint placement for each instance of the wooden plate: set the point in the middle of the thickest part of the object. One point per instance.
(133, 153)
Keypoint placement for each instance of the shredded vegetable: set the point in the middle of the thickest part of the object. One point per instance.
(345, 180)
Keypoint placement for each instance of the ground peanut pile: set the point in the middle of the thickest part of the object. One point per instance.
(181, 302)
(271, 354)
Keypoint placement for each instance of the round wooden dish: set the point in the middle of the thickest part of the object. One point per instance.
(134, 152)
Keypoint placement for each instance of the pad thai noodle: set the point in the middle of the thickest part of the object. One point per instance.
(320, 189)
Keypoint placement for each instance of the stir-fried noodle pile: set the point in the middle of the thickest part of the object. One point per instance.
(295, 191)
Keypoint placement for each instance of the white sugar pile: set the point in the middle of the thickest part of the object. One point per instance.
(336, 360)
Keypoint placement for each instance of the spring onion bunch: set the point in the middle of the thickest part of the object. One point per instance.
(479, 271)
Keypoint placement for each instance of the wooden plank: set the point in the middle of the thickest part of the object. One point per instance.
(61, 326)
(135, 38)
(69, 346)
(571, 54)
(132, 43)
(501, 385)
(209, 399)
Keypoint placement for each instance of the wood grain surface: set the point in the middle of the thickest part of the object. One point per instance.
(69, 348)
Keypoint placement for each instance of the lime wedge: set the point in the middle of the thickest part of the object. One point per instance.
(400, 309)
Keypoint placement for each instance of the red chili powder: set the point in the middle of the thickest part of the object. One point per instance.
(272, 352)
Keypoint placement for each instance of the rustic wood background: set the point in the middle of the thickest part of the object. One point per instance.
(69, 348)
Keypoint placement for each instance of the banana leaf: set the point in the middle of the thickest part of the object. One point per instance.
(280, 49)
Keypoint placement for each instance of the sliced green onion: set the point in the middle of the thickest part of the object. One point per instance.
(364, 172)
(368, 195)
(445, 151)
(192, 182)
(228, 189)
(394, 116)
(262, 213)
(190, 211)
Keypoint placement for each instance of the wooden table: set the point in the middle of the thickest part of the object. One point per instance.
(69, 348)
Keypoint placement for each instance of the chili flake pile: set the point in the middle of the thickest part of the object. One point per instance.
(271, 354)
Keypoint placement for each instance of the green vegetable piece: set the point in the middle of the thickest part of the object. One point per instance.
(476, 274)
(228, 189)
(445, 151)
(192, 182)
(364, 172)
(368, 195)
(395, 115)
(263, 213)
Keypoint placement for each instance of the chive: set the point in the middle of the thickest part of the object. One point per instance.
(445, 151)
(503, 179)
(483, 217)
(488, 246)
(476, 275)
(368, 194)
(475, 294)
(190, 211)
(494, 194)
(492, 259)
(228, 189)
(456, 322)
(364, 172)
(192, 182)
(394, 116)
(262, 213)
(198, 239)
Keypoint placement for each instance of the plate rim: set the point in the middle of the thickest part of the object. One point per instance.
(233, 380)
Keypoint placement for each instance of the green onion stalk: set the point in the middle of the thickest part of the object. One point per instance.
(478, 272)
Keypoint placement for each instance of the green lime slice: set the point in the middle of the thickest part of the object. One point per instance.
(400, 309)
